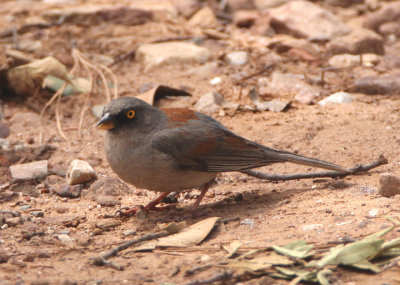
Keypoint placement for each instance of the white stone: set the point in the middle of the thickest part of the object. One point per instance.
(31, 170)
(336, 98)
(373, 213)
(237, 58)
(152, 56)
(79, 172)
(216, 80)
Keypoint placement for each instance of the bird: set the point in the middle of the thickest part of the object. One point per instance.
(177, 149)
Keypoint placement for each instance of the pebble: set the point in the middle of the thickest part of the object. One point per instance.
(65, 239)
(129, 233)
(37, 214)
(26, 188)
(12, 222)
(70, 191)
(107, 201)
(24, 207)
(389, 184)
(109, 187)
(152, 56)
(373, 213)
(336, 98)
(30, 171)
(79, 172)
(216, 80)
(42, 253)
(237, 58)
(247, 222)
(204, 18)
(311, 227)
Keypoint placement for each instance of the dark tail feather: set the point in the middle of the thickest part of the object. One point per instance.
(299, 159)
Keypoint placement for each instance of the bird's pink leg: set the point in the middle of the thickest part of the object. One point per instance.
(204, 190)
(149, 207)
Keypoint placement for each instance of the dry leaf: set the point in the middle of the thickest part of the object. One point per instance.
(161, 91)
(261, 262)
(24, 79)
(187, 237)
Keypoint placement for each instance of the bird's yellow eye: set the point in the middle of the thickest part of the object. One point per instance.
(130, 114)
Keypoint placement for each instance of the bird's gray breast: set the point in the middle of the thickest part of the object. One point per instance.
(135, 161)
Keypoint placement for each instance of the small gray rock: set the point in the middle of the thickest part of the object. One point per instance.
(79, 172)
(389, 185)
(30, 171)
(336, 98)
(69, 191)
(37, 214)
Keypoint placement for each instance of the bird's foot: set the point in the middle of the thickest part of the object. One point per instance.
(129, 212)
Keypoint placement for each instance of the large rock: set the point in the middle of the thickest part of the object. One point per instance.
(29, 171)
(388, 13)
(358, 42)
(156, 55)
(307, 20)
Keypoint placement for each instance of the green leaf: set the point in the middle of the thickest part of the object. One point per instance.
(261, 262)
(296, 249)
(379, 234)
(366, 265)
(352, 253)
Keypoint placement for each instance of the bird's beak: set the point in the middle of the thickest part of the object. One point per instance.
(106, 122)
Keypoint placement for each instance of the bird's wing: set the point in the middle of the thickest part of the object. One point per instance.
(203, 144)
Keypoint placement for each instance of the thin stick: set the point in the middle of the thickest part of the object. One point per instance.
(58, 119)
(102, 259)
(332, 174)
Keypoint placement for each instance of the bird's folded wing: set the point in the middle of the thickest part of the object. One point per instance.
(216, 151)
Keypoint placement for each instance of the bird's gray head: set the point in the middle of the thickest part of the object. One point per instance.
(128, 112)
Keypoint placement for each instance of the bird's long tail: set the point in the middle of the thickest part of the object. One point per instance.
(299, 159)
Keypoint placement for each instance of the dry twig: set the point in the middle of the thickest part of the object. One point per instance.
(332, 174)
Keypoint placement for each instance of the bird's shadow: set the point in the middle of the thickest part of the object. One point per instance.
(243, 204)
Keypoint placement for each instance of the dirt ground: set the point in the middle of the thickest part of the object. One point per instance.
(320, 211)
